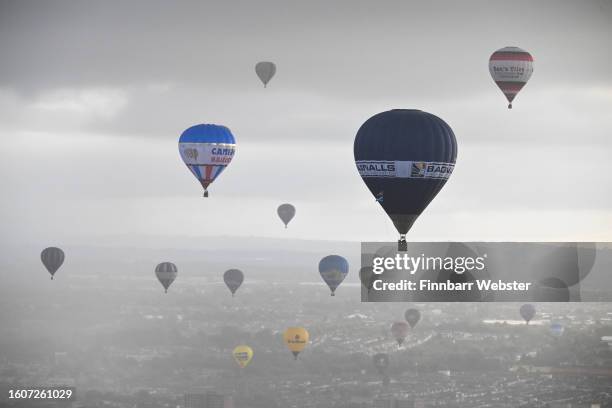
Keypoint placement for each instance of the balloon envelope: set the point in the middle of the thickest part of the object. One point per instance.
(233, 278)
(52, 258)
(286, 212)
(296, 339)
(367, 277)
(556, 329)
(265, 70)
(405, 156)
(207, 150)
(527, 312)
(166, 274)
(511, 68)
(399, 331)
(412, 316)
(381, 362)
(333, 270)
(243, 355)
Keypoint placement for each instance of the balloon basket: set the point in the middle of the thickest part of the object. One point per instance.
(402, 245)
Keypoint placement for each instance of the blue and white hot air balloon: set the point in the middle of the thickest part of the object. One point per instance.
(207, 150)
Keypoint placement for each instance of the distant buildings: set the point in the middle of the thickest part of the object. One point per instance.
(208, 400)
(393, 403)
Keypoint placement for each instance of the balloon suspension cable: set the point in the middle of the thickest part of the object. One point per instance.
(402, 245)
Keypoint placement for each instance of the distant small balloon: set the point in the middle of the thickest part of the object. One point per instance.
(52, 258)
(243, 355)
(233, 278)
(286, 212)
(367, 277)
(296, 339)
(412, 316)
(166, 274)
(265, 70)
(333, 270)
(399, 330)
(511, 68)
(556, 329)
(527, 312)
(381, 362)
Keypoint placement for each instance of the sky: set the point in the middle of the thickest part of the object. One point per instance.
(94, 95)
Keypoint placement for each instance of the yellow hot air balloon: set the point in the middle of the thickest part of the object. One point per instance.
(243, 355)
(296, 339)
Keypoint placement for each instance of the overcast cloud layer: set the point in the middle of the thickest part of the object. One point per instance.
(93, 97)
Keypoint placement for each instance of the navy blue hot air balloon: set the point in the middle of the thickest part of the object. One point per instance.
(405, 156)
(333, 270)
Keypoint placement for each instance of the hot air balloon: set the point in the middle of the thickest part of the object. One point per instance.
(265, 70)
(243, 355)
(333, 270)
(286, 212)
(511, 68)
(367, 277)
(207, 150)
(527, 312)
(412, 316)
(52, 258)
(556, 329)
(166, 274)
(233, 279)
(399, 330)
(381, 362)
(405, 156)
(296, 339)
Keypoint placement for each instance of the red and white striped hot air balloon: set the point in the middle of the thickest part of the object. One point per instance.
(511, 68)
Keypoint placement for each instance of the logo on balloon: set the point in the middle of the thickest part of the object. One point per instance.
(296, 340)
(418, 169)
(191, 153)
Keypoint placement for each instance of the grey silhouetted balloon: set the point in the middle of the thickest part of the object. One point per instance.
(233, 279)
(286, 212)
(166, 274)
(412, 316)
(265, 70)
(527, 312)
(381, 362)
(52, 258)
